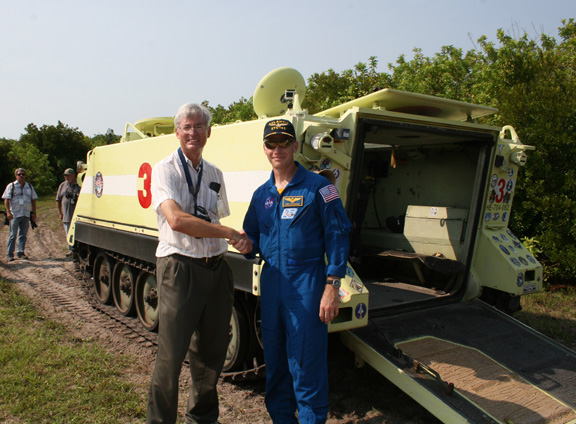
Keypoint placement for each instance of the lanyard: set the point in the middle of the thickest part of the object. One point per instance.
(188, 178)
(21, 190)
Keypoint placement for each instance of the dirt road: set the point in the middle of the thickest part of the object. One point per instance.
(50, 280)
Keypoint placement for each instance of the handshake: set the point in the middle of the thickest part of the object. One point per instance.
(241, 242)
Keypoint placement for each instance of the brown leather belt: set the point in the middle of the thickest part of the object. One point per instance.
(209, 262)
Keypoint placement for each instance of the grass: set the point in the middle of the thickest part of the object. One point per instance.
(47, 217)
(48, 376)
(552, 313)
(47, 213)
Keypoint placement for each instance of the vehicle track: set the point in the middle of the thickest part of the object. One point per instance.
(106, 315)
(133, 327)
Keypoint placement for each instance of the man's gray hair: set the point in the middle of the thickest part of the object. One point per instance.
(192, 110)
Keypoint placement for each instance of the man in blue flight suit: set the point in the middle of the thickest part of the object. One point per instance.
(296, 222)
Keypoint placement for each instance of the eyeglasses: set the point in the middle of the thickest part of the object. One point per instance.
(199, 129)
(271, 145)
(21, 175)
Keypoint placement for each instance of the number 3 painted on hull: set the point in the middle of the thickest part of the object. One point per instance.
(145, 195)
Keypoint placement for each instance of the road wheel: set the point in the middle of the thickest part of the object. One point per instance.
(123, 286)
(82, 254)
(239, 338)
(102, 276)
(147, 300)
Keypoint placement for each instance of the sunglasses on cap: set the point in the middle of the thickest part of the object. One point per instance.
(283, 143)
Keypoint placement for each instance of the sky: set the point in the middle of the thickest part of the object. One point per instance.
(96, 65)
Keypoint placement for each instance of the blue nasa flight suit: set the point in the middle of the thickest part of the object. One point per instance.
(293, 232)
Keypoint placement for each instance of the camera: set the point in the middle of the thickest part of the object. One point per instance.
(32, 222)
(288, 96)
(202, 213)
(70, 194)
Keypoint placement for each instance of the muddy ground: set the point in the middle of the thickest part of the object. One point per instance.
(357, 395)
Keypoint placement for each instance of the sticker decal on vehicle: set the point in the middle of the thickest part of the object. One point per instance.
(99, 184)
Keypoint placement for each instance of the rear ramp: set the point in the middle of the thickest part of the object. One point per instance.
(470, 363)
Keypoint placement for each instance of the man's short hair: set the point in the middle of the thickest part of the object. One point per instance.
(190, 110)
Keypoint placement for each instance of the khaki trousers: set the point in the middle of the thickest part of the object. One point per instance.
(194, 317)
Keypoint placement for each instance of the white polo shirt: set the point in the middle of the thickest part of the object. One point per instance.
(169, 182)
(20, 198)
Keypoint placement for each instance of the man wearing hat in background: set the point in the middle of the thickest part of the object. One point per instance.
(20, 202)
(296, 220)
(66, 199)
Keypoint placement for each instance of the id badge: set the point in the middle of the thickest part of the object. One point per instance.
(21, 202)
(220, 207)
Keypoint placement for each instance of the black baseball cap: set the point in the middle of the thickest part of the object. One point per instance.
(279, 126)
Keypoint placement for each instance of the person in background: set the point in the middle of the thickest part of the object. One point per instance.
(196, 289)
(66, 199)
(20, 202)
(297, 223)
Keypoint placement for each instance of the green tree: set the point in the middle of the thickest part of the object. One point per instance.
(328, 89)
(63, 145)
(241, 110)
(450, 74)
(102, 140)
(7, 165)
(39, 172)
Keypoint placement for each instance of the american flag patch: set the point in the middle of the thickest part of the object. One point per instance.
(329, 193)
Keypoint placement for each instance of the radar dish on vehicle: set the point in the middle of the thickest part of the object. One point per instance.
(269, 96)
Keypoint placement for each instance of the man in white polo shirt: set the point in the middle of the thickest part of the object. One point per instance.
(196, 290)
(20, 202)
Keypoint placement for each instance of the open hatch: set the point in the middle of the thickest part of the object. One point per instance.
(415, 211)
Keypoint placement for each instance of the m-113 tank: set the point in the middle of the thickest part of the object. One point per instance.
(429, 191)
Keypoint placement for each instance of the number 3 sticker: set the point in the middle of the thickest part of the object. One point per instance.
(500, 186)
(145, 195)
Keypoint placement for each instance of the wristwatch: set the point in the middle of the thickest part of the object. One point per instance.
(335, 283)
